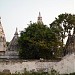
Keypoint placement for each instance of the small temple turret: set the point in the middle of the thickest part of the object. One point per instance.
(16, 32)
(39, 20)
(12, 50)
(70, 44)
(2, 40)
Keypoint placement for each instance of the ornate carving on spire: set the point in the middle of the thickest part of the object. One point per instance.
(39, 19)
(1, 29)
(2, 40)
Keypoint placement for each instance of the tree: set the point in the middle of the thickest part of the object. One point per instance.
(64, 23)
(38, 41)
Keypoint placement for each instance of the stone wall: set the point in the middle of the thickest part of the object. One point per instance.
(20, 66)
(66, 65)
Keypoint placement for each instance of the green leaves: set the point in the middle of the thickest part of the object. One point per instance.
(39, 41)
(62, 26)
(36, 42)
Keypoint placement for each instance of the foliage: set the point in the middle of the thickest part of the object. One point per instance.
(52, 72)
(38, 41)
(65, 23)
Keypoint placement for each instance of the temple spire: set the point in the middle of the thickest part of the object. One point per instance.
(16, 33)
(39, 14)
(2, 40)
(39, 20)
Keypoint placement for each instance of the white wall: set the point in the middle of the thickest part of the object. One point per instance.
(66, 65)
(19, 66)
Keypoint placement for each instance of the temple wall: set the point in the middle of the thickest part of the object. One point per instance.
(65, 66)
(19, 66)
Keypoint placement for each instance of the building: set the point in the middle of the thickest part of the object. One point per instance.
(39, 19)
(2, 40)
(12, 50)
(70, 44)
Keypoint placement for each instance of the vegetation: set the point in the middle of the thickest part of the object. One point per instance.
(65, 23)
(27, 73)
(53, 72)
(39, 41)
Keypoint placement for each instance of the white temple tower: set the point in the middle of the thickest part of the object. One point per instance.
(39, 20)
(2, 40)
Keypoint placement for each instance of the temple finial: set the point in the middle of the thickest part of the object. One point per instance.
(16, 33)
(39, 19)
(39, 14)
(16, 29)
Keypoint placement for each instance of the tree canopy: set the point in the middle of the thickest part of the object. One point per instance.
(66, 24)
(38, 41)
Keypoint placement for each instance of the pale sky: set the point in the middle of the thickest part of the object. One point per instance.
(18, 13)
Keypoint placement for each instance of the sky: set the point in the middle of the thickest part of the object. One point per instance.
(19, 13)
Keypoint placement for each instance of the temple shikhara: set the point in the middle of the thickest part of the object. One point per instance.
(12, 50)
(2, 40)
(70, 44)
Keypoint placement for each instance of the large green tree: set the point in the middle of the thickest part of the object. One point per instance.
(38, 41)
(65, 23)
